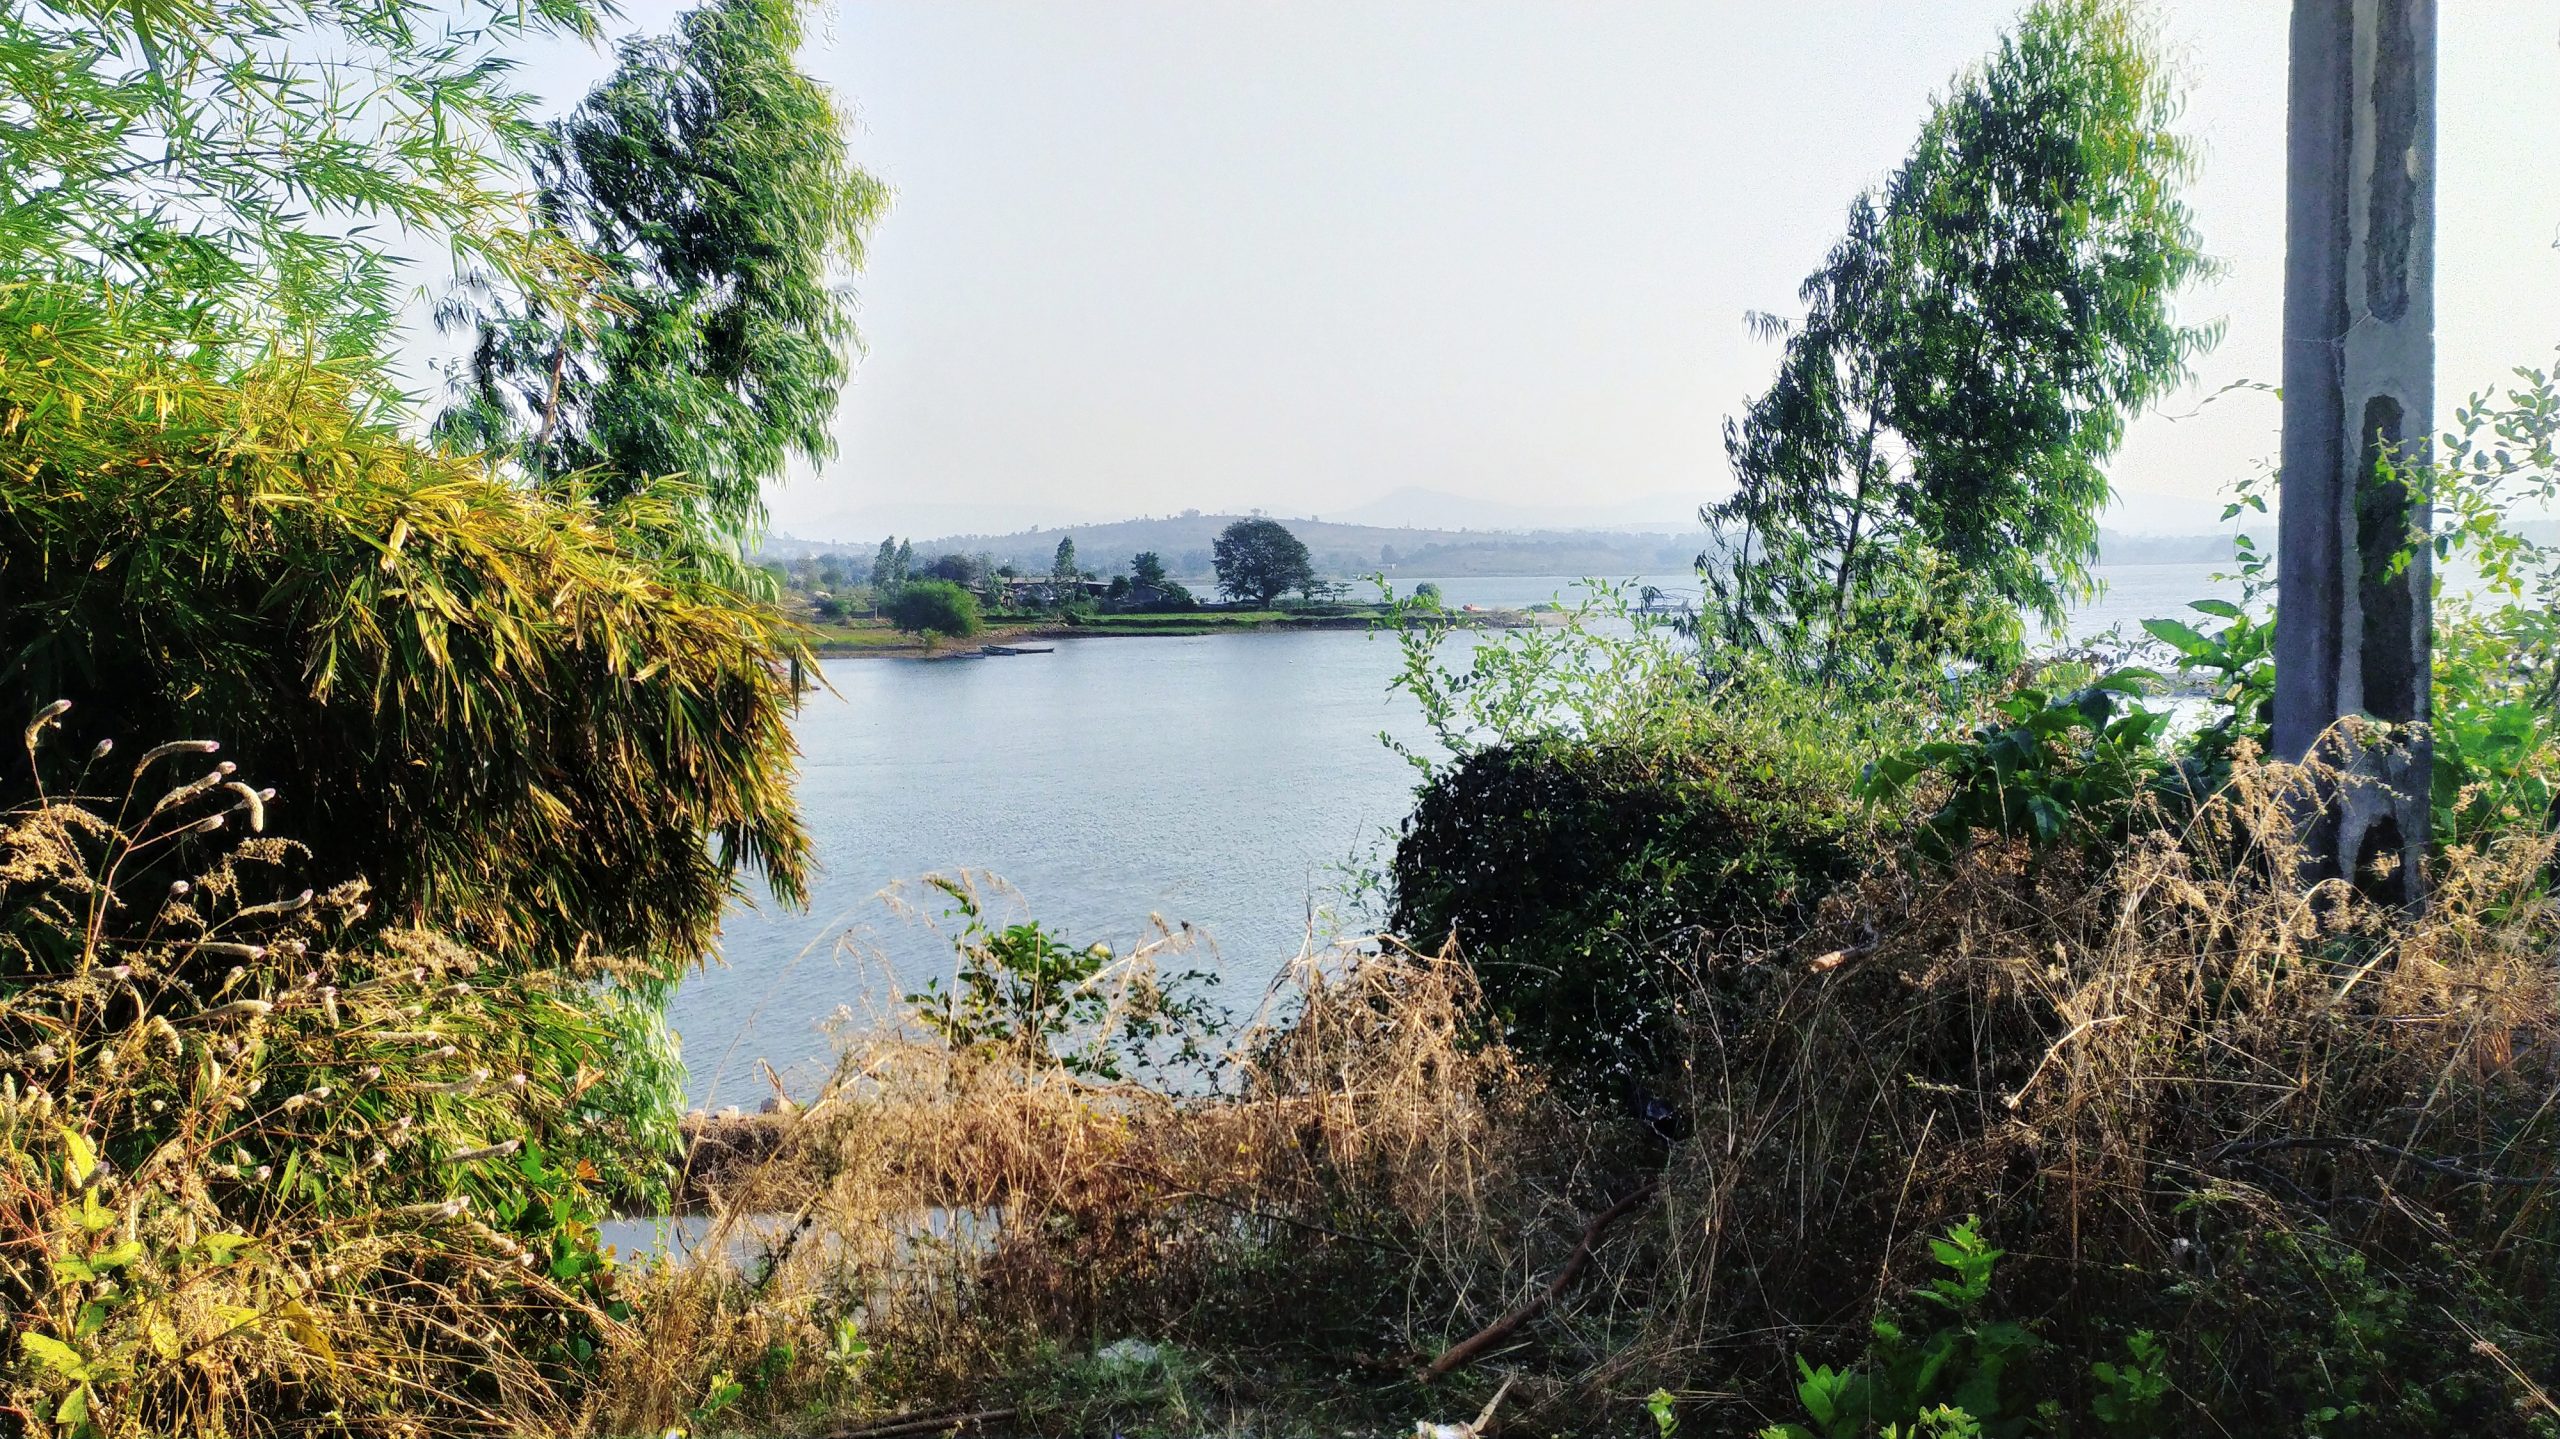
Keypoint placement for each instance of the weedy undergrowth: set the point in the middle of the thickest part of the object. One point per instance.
(266, 1165)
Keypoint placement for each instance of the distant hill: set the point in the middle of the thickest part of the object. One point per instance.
(2116, 549)
(1341, 551)
(1345, 550)
(1420, 509)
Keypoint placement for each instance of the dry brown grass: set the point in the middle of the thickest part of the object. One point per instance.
(2136, 1066)
(1361, 1168)
(255, 1162)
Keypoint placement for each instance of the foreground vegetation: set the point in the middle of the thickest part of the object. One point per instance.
(1973, 1058)
(2251, 1153)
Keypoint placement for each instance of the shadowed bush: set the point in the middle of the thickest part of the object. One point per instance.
(2309, 1147)
(1593, 887)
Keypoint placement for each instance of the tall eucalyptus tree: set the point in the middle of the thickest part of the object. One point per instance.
(710, 178)
(1927, 467)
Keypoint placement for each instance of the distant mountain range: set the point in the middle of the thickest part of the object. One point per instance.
(1421, 509)
(1345, 547)
(1411, 508)
(1341, 550)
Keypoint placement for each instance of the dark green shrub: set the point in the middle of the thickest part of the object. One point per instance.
(1172, 598)
(934, 608)
(1586, 883)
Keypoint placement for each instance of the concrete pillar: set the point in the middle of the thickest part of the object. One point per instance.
(2359, 381)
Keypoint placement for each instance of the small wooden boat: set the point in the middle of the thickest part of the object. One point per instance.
(1018, 649)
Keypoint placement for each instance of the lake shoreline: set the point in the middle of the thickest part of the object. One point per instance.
(836, 644)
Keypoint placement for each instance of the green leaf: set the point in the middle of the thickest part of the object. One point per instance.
(55, 1355)
(223, 1246)
(95, 1217)
(2181, 636)
(84, 1155)
(2223, 608)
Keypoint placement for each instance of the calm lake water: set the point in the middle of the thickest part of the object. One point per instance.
(1224, 781)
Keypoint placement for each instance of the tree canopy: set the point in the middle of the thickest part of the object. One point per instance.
(709, 178)
(552, 719)
(225, 162)
(933, 608)
(1260, 560)
(1927, 465)
(527, 727)
(548, 721)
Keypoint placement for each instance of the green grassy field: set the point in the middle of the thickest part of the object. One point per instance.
(864, 635)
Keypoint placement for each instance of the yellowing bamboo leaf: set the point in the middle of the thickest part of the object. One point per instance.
(224, 1245)
(84, 1155)
(305, 1328)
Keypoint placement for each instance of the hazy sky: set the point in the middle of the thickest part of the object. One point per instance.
(1153, 254)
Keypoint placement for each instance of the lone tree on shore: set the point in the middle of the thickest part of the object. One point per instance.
(1260, 560)
(934, 609)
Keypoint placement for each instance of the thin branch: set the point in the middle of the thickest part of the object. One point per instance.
(2083, 1027)
(1492, 1334)
(2453, 1169)
(926, 1424)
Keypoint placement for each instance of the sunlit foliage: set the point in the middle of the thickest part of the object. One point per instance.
(276, 1167)
(708, 176)
(1927, 466)
(516, 715)
(243, 163)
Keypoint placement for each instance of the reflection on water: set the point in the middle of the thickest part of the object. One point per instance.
(1228, 781)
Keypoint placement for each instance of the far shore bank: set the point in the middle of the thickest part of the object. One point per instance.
(874, 640)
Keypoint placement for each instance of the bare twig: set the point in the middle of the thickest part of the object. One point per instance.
(2453, 1169)
(925, 1424)
(1492, 1334)
(2019, 1096)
